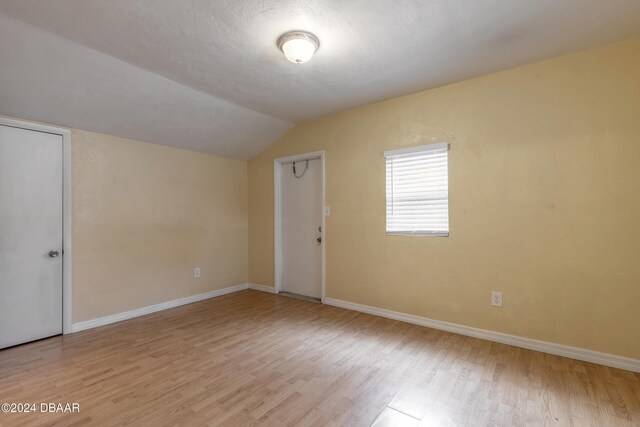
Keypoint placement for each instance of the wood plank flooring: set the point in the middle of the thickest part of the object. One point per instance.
(252, 358)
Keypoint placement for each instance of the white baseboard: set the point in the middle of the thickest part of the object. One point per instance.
(262, 288)
(118, 317)
(528, 343)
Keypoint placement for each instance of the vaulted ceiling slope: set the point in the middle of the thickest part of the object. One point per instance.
(206, 74)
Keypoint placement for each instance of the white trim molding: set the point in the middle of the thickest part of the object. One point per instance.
(582, 354)
(262, 288)
(67, 298)
(125, 315)
(415, 149)
(277, 216)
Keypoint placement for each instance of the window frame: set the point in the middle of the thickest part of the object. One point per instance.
(412, 150)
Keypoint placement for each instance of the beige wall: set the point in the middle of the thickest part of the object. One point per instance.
(544, 202)
(144, 216)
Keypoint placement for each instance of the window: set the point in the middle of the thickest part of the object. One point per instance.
(417, 190)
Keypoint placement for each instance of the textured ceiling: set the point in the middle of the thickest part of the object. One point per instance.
(206, 74)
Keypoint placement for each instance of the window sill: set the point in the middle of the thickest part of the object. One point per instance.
(419, 233)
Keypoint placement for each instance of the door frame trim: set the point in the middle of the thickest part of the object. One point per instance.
(66, 210)
(277, 225)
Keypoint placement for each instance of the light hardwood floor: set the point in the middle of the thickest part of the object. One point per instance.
(252, 358)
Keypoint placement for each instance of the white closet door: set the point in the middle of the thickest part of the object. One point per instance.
(30, 235)
(301, 221)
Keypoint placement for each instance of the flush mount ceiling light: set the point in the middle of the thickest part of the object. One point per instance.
(298, 46)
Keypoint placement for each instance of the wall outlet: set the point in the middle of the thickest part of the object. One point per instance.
(196, 272)
(496, 299)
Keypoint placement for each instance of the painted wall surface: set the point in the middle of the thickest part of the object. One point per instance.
(544, 202)
(144, 216)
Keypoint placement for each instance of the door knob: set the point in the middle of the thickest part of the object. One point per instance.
(53, 253)
(319, 240)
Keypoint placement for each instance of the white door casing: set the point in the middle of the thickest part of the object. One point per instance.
(299, 204)
(34, 294)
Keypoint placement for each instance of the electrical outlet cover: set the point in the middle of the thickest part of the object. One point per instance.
(496, 299)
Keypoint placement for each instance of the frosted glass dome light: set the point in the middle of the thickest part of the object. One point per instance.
(298, 46)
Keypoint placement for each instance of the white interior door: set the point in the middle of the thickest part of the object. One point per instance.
(301, 233)
(30, 235)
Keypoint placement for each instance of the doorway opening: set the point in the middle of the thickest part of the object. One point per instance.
(299, 244)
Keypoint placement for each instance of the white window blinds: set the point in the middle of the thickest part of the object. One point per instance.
(418, 190)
